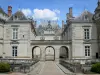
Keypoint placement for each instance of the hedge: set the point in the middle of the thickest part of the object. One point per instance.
(4, 67)
(96, 68)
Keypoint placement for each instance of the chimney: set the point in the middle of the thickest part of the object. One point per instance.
(9, 11)
(98, 2)
(35, 23)
(70, 12)
(62, 25)
(67, 16)
(62, 22)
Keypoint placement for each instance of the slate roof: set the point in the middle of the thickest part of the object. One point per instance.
(2, 12)
(98, 7)
(86, 16)
(46, 27)
(2, 20)
(19, 15)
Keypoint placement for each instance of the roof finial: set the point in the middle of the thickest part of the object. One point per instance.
(85, 8)
(19, 8)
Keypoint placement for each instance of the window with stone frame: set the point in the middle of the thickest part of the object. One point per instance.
(15, 33)
(86, 33)
(87, 51)
(14, 51)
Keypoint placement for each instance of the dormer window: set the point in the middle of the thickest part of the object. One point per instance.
(15, 17)
(86, 17)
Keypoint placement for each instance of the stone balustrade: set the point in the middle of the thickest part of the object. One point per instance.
(50, 42)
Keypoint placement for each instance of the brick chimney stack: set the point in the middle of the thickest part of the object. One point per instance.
(9, 11)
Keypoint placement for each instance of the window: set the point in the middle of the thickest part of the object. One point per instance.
(15, 33)
(87, 50)
(14, 50)
(86, 17)
(23, 36)
(86, 34)
(15, 17)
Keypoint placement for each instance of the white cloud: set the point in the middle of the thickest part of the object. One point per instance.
(57, 11)
(27, 12)
(42, 14)
(45, 14)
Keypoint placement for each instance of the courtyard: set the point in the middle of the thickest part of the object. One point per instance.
(44, 38)
(49, 68)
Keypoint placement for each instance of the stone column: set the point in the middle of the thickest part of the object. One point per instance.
(70, 52)
(42, 54)
(29, 51)
(57, 51)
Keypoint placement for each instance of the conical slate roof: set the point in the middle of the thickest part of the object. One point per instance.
(19, 13)
(98, 7)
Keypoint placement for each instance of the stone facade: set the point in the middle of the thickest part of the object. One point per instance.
(82, 31)
(19, 38)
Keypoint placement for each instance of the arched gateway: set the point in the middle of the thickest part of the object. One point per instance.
(49, 53)
(64, 52)
(36, 52)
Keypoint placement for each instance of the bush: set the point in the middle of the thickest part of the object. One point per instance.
(96, 68)
(4, 67)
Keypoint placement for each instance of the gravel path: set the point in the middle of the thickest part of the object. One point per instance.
(50, 68)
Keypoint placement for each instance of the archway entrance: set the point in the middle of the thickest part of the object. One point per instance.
(36, 52)
(64, 53)
(49, 53)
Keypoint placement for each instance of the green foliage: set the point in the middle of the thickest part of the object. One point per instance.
(4, 67)
(96, 68)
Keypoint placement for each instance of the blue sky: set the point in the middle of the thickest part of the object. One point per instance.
(60, 5)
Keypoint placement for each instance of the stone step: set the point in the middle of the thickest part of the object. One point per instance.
(36, 69)
(66, 71)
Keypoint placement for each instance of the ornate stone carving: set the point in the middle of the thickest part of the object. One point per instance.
(42, 38)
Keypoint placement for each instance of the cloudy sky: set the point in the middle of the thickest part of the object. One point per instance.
(49, 9)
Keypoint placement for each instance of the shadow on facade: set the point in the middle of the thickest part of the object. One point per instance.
(64, 52)
(36, 52)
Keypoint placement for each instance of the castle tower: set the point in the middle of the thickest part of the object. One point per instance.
(96, 19)
(97, 12)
